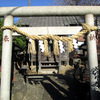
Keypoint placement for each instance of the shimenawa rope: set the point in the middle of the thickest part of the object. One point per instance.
(86, 29)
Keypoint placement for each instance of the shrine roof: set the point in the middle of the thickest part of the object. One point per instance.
(43, 21)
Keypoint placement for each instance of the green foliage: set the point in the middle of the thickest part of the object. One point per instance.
(20, 42)
(1, 34)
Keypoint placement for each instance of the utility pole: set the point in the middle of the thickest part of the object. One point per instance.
(29, 2)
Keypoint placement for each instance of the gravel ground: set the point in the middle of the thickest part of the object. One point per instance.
(57, 87)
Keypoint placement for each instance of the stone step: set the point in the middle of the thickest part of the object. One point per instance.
(48, 66)
(48, 71)
(49, 62)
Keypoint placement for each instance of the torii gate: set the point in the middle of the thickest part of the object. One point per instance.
(9, 12)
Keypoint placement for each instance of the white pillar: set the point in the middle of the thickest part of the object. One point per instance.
(92, 59)
(6, 59)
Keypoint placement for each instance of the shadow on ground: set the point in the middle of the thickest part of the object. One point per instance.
(51, 87)
(65, 88)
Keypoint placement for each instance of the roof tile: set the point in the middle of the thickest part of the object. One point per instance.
(39, 21)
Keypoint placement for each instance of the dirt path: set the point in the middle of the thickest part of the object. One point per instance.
(57, 87)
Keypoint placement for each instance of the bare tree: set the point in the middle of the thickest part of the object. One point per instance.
(77, 2)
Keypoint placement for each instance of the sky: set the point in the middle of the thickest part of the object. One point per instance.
(14, 3)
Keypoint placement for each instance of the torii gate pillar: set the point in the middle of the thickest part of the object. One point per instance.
(92, 59)
(6, 59)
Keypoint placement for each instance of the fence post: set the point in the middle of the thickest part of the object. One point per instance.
(92, 59)
(6, 59)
